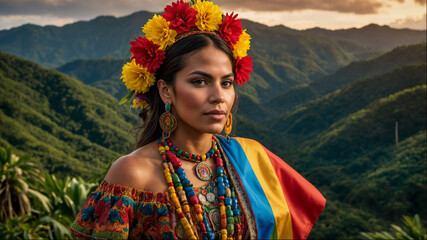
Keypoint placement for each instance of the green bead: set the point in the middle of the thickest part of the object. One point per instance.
(187, 154)
(193, 156)
(229, 213)
(230, 229)
(230, 220)
(175, 178)
(178, 184)
(237, 219)
(179, 152)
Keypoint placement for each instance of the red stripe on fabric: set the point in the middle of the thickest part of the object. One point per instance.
(304, 201)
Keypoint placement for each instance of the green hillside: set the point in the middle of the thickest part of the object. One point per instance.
(310, 119)
(67, 126)
(369, 180)
(398, 57)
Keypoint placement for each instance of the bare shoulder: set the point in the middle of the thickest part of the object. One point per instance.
(141, 169)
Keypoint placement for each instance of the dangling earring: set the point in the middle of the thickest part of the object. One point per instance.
(167, 122)
(228, 126)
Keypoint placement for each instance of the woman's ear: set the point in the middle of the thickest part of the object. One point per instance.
(165, 91)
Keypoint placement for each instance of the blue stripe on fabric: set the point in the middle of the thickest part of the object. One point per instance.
(260, 206)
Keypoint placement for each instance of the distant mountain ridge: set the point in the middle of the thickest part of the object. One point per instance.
(374, 35)
(398, 57)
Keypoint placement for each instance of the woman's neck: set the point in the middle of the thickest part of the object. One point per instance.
(192, 142)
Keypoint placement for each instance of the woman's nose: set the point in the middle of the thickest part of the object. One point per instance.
(217, 94)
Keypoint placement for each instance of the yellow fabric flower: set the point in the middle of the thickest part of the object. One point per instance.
(157, 30)
(137, 77)
(242, 46)
(209, 16)
(139, 103)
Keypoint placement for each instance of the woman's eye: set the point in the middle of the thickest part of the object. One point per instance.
(198, 82)
(227, 83)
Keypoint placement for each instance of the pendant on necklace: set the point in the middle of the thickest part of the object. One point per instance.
(203, 172)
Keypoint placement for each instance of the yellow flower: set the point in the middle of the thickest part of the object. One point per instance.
(209, 16)
(157, 30)
(139, 103)
(137, 77)
(242, 46)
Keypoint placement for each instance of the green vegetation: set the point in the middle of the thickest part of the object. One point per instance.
(65, 124)
(36, 205)
(412, 229)
(336, 126)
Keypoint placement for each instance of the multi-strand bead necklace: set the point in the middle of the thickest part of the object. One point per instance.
(179, 185)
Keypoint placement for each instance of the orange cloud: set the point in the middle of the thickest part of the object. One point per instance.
(345, 6)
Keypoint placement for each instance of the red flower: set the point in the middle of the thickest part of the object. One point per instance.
(147, 54)
(181, 17)
(231, 29)
(243, 69)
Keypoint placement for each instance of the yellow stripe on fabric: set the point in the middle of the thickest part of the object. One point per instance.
(267, 177)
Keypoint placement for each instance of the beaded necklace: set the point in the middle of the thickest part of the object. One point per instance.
(179, 185)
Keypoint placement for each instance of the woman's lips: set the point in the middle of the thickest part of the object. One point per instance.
(217, 115)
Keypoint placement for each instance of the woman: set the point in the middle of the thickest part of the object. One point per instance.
(183, 180)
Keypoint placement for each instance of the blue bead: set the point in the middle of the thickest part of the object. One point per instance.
(221, 192)
(173, 148)
(180, 170)
(212, 184)
(227, 201)
(233, 203)
(165, 143)
(219, 180)
(185, 182)
(190, 194)
(208, 155)
(188, 189)
(236, 212)
(219, 170)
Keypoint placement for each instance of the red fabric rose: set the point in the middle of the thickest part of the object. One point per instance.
(181, 17)
(231, 29)
(147, 54)
(243, 69)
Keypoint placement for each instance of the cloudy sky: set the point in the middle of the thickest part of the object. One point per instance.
(298, 14)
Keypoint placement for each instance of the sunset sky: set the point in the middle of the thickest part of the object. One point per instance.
(297, 14)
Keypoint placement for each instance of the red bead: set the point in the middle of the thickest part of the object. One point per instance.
(224, 223)
(217, 152)
(176, 164)
(224, 216)
(170, 184)
(183, 153)
(170, 155)
(221, 198)
(198, 158)
(181, 215)
(170, 144)
(193, 200)
(202, 227)
(238, 228)
(219, 162)
(164, 157)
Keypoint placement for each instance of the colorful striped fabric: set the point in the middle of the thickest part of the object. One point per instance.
(284, 204)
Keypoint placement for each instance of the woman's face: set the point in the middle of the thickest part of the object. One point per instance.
(204, 92)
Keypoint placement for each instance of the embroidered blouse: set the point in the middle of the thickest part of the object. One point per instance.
(120, 212)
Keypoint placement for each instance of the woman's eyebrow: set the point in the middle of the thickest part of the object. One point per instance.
(207, 75)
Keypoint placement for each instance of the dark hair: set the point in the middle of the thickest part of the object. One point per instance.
(175, 61)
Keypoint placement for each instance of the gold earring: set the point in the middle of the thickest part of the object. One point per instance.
(228, 126)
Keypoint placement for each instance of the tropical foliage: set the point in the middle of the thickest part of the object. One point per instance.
(35, 204)
(412, 229)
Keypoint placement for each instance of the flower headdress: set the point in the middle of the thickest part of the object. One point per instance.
(179, 20)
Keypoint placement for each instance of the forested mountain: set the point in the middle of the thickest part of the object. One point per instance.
(398, 57)
(67, 126)
(342, 107)
(373, 35)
